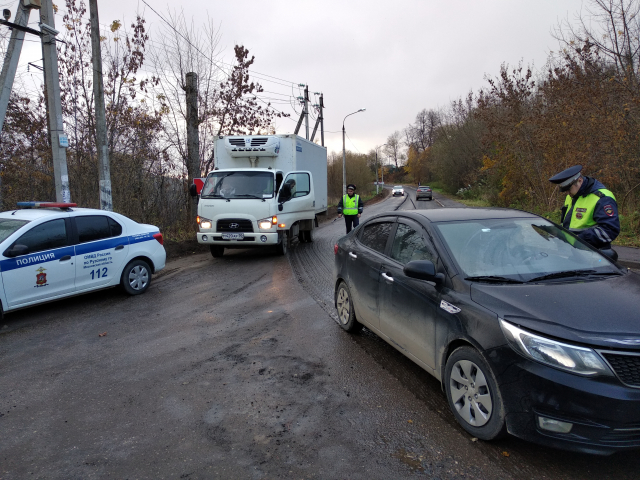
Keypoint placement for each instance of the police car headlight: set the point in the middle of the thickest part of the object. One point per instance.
(205, 223)
(267, 223)
(574, 359)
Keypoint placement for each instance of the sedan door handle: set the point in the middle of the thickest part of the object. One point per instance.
(119, 247)
(66, 257)
(388, 278)
(353, 255)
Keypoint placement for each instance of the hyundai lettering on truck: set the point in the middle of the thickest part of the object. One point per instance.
(264, 191)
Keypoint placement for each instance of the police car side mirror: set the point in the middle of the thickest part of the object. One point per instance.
(193, 190)
(16, 251)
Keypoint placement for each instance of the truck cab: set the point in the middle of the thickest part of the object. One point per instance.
(256, 197)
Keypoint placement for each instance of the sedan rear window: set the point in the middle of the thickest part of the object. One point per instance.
(96, 227)
(375, 235)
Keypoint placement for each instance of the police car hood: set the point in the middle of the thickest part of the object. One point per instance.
(602, 312)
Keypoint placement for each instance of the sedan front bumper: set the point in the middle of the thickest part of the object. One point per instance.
(604, 413)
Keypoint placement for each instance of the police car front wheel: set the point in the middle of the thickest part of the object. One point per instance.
(136, 277)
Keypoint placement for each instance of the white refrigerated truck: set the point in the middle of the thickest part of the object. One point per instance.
(264, 191)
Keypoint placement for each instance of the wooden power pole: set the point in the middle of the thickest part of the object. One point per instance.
(59, 141)
(102, 146)
(193, 140)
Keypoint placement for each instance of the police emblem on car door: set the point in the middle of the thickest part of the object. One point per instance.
(39, 265)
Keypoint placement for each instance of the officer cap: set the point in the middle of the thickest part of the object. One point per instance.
(566, 178)
(351, 186)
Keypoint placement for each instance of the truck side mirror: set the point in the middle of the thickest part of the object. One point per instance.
(193, 190)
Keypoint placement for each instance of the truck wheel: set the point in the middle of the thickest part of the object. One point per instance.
(136, 277)
(302, 236)
(283, 246)
(309, 235)
(216, 251)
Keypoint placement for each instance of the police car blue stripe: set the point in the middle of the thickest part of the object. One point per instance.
(81, 249)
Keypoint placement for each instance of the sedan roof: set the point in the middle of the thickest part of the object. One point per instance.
(464, 213)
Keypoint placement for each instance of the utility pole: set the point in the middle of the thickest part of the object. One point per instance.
(59, 140)
(306, 110)
(102, 146)
(11, 58)
(319, 121)
(193, 141)
(344, 154)
(377, 183)
(13, 54)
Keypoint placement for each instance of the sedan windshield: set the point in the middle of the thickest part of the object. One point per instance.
(520, 249)
(8, 226)
(239, 185)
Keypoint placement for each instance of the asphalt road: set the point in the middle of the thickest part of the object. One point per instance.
(235, 368)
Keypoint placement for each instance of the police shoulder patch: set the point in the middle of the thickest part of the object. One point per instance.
(608, 209)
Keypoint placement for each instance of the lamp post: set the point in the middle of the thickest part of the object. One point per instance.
(376, 149)
(344, 155)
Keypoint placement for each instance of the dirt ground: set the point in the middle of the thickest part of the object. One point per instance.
(181, 249)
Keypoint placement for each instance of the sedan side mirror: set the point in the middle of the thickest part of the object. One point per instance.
(16, 251)
(423, 270)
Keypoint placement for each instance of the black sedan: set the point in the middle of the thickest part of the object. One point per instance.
(529, 330)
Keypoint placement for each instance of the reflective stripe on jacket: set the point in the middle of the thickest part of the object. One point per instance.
(350, 205)
(582, 212)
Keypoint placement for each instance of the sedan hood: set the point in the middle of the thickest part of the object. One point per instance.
(604, 312)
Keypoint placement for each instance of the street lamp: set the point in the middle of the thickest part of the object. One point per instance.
(344, 155)
(376, 149)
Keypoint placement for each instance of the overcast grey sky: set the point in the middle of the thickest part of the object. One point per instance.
(393, 58)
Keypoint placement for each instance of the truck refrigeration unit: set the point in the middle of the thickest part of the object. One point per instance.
(264, 191)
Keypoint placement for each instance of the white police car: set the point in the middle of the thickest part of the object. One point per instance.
(54, 250)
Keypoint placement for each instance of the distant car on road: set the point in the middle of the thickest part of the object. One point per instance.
(529, 330)
(397, 190)
(423, 192)
(50, 251)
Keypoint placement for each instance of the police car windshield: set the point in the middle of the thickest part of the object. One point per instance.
(10, 225)
(243, 184)
(519, 249)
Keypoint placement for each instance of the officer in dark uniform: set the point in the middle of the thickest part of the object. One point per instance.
(590, 210)
(351, 207)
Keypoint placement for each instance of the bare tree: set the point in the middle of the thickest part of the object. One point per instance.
(610, 28)
(421, 135)
(394, 148)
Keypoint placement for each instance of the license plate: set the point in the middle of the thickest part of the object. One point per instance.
(232, 236)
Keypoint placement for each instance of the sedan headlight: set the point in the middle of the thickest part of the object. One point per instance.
(205, 223)
(574, 359)
(267, 223)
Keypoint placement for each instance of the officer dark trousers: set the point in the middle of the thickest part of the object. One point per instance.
(351, 221)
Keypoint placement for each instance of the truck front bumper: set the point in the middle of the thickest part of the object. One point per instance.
(251, 239)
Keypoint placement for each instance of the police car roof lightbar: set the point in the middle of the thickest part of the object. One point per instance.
(46, 205)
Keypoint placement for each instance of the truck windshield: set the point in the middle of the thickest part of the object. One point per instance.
(239, 185)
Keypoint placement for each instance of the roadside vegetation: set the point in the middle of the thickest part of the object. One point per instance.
(500, 145)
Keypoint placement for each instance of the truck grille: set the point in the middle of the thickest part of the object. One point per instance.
(234, 225)
(626, 366)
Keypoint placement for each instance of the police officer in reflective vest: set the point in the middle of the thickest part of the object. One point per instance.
(351, 207)
(590, 210)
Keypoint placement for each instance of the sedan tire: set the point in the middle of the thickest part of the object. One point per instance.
(473, 394)
(136, 277)
(346, 313)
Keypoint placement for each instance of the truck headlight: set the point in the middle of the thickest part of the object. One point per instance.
(574, 359)
(267, 223)
(205, 223)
